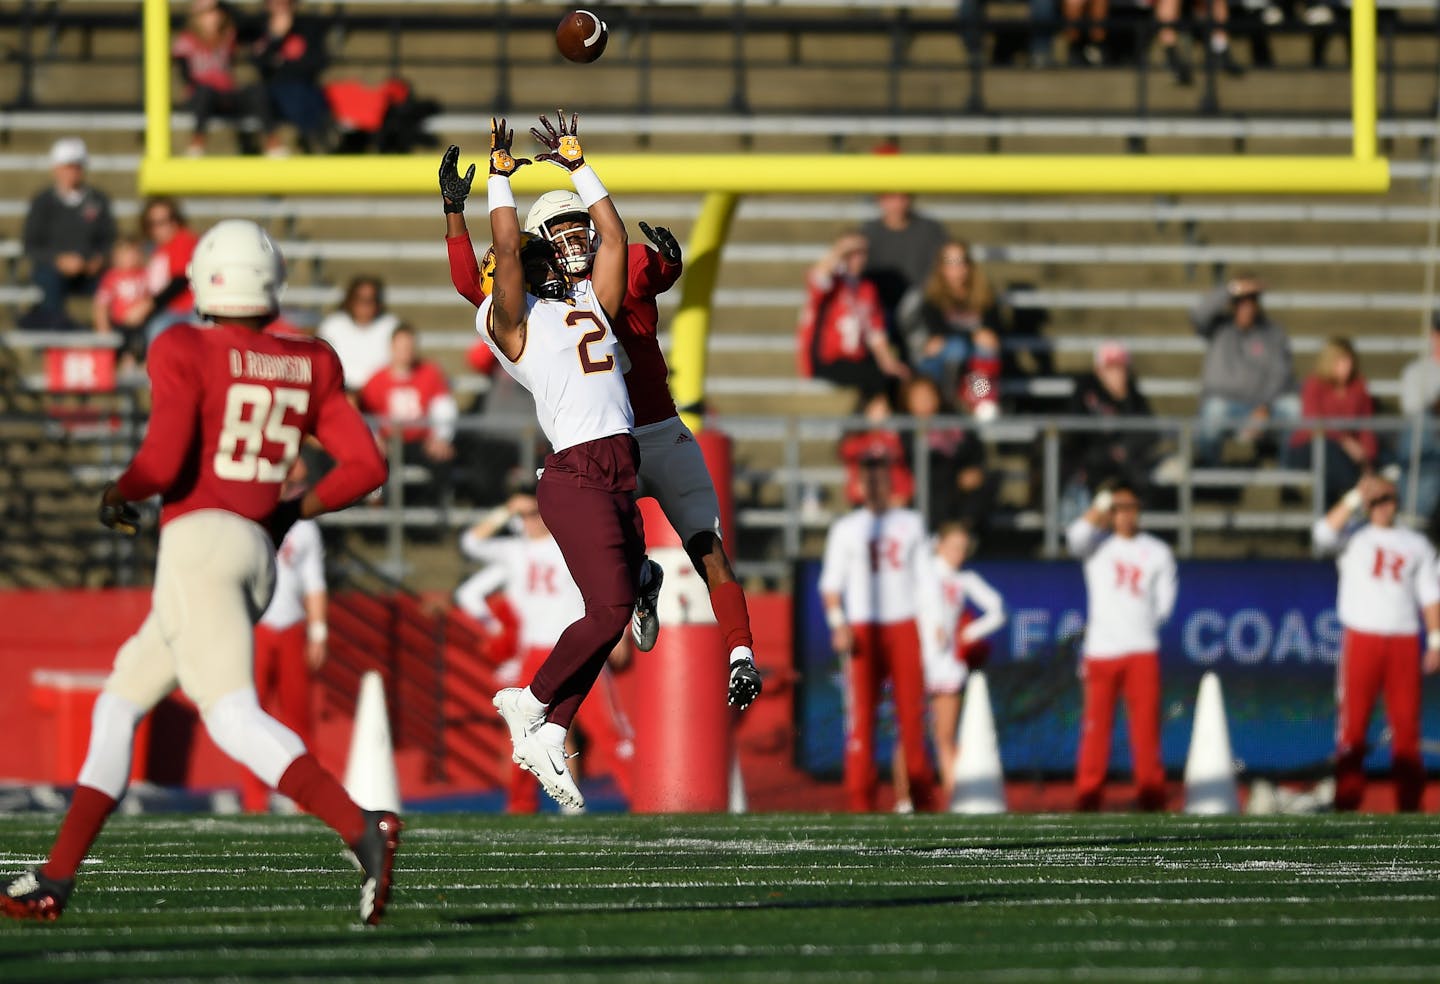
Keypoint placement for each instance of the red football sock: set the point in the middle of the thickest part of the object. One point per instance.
(728, 600)
(82, 824)
(318, 793)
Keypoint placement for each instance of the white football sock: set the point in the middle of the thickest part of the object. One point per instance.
(112, 741)
(251, 737)
(741, 652)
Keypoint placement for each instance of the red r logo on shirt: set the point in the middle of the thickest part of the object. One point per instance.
(1387, 562)
(1127, 578)
(542, 579)
(886, 553)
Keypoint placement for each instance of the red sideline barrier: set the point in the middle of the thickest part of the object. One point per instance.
(682, 724)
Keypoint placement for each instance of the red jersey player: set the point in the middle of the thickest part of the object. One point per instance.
(230, 406)
(672, 469)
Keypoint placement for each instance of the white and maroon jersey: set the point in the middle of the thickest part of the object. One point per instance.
(571, 364)
(950, 591)
(533, 575)
(877, 564)
(1386, 574)
(299, 572)
(1130, 584)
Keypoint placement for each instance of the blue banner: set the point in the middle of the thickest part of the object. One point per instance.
(1268, 629)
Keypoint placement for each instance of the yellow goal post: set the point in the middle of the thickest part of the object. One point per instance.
(722, 178)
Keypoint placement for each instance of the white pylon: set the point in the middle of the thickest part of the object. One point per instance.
(370, 770)
(979, 779)
(1209, 766)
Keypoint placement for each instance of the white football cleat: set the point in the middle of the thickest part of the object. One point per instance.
(546, 761)
(522, 721)
(645, 622)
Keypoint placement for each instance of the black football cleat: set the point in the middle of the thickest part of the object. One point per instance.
(645, 621)
(375, 851)
(33, 896)
(745, 683)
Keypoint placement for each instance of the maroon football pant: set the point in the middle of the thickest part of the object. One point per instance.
(602, 540)
(1369, 666)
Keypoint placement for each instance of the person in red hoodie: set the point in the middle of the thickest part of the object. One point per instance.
(230, 407)
(672, 468)
(1336, 389)
(411, 395)
(172, 244)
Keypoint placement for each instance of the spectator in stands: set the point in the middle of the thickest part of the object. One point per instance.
(877, 439)
(413, 396)
(1167, 13)
(903, 245)
(1337, 389)
(958, 487)
(360, 331)
(204, 52)
(842, 328)
(1247, 378)
(1420, 400)
(289, 53)
(1085, 31)
(69, 232)
(122, 301)
(1092, 458)
(950, 326)
(172, 243)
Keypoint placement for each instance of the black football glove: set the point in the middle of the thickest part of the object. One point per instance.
(121, 516)
(453, 188)
(665, 242)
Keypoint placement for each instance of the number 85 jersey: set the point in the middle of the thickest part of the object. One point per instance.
(572, 365)
(229, 408)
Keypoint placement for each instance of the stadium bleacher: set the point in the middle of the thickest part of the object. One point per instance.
(1115, 267)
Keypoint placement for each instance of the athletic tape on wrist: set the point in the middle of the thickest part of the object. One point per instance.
(589, 186)
(317, 631)
(498, 190)
(1432, 639)
(835, 618)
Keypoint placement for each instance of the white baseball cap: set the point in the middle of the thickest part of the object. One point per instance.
(67, 150)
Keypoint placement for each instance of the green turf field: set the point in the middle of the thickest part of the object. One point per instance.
(761, 899)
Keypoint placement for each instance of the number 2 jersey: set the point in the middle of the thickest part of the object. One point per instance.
(229, 407)
(571, 364)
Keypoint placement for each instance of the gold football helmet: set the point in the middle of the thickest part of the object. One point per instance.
(544, 276)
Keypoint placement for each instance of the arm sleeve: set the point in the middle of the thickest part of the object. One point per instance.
(832, 567)
(1325, 538)
(341, 430)
(1167, 587)
(464, 270)
(444, 412)
(992, 608)
(102, 236)
(485, 549)
(174, 420)
(1427, 578)
(473, 591)
(1279, 372)
(1209, 312)
(650, 275)
(311, 567)
(38, 246)
(1081, 538)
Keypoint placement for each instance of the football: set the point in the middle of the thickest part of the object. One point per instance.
(581, 36)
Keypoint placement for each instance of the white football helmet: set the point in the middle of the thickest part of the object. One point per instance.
(236, 271)
(576, 246)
